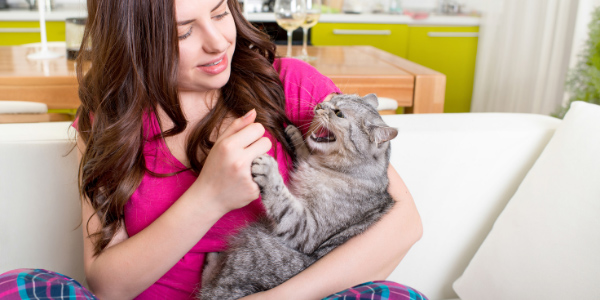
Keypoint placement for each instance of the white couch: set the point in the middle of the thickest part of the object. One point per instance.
(462, 170)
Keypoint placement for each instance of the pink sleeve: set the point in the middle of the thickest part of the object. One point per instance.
(304, 87)
(75, 122)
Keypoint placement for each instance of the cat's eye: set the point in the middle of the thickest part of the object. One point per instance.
(338, 113)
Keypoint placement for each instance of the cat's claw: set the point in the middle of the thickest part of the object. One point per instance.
(264, 168)
(293, 133)
(297, 140)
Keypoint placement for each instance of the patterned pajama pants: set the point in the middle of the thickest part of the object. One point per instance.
(43, 284)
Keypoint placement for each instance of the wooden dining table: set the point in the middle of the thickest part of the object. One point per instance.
(354, 69)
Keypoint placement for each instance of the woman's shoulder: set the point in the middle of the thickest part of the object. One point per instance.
(293, 67)
(299, 76)
(304, 87)
(290, 61)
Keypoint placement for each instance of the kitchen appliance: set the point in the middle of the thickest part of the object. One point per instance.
(74, 28)
(33, 4)
(354, 6)
(451, 7)
(268, 5)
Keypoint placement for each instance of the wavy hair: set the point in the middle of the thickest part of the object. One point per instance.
(132, 71)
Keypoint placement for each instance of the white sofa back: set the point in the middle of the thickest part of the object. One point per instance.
(39, 203)
(460, 168)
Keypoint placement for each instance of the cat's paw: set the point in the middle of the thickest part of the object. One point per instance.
(264, 171)
(297, 141)
(293, 133)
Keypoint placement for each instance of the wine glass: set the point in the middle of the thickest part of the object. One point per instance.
(290, 14)
(313, 12)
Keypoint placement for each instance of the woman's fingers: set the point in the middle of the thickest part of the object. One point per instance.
(241, 134)
(249, 134)
(230, 181)
(239, 124)
(260, 147)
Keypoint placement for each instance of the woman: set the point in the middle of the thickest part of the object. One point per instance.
(180, 97)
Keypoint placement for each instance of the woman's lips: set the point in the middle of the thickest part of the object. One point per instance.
(216, 67)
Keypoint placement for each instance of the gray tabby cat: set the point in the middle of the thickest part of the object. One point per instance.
(337, 190)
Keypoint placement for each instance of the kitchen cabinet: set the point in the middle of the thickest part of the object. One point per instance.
(22, 32)
(451, 51)
(392, 38)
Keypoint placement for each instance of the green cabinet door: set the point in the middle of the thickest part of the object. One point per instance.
(24, 32)
(388, 37)
(451, 51)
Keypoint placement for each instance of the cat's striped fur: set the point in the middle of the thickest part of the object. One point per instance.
(337, 190)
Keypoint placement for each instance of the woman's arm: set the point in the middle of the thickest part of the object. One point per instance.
(129, 265)
(372, 255)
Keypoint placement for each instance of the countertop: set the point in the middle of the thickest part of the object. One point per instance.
(63, 11)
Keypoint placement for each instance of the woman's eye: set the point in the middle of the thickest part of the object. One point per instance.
(221, 16)
(338, 113)
(182, 37)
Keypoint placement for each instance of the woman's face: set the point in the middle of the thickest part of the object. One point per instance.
(206, 44)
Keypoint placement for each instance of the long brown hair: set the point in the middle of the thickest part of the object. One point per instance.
(134, 56)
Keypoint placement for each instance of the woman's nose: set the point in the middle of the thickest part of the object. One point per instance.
(214, 41)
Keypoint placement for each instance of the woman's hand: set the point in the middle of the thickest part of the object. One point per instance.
(257, 296)
(225, 177)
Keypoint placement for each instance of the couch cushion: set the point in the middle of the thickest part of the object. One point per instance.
(546, 242)
(461, 170)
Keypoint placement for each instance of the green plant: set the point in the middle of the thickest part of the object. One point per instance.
(583, 81)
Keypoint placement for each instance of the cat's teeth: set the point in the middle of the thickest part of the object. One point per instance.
(323, 136)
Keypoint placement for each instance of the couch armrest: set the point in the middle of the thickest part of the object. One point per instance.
(461, 170)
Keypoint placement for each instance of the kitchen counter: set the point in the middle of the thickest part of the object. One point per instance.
(63, 11)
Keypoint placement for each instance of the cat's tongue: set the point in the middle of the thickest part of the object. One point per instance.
(323, 135)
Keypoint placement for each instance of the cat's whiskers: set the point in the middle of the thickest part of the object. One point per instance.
(304, 126)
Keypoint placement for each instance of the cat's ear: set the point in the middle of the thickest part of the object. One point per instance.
(380, 134)
(371, 99)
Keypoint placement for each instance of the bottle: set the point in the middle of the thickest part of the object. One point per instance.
(395, 7)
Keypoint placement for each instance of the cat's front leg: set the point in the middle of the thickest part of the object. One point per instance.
(297, 140)
(276, 197)
(293, 220)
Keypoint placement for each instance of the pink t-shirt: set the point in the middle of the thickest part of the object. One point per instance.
(304, 86)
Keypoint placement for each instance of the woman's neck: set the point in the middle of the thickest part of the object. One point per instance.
(196, 105)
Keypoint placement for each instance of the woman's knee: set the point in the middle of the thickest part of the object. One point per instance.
(380, 290)
(40, 283)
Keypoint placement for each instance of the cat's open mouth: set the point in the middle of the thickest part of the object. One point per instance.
(322, 135)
